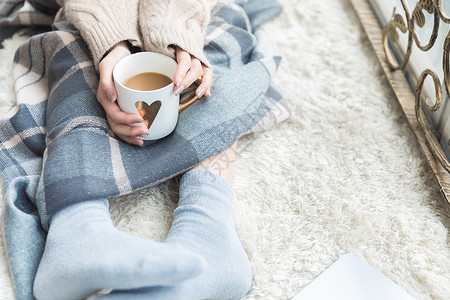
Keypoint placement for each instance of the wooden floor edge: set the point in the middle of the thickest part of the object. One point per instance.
(402, 90)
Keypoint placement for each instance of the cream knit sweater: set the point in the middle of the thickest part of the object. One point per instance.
(152, 25)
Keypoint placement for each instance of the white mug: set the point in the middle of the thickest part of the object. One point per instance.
(161, 105)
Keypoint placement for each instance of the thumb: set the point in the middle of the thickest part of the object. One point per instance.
(106, 84)
(106, 68)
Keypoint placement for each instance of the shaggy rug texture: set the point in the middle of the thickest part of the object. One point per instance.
(344, 174)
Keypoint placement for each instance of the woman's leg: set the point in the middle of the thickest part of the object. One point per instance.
(83, 251)
(221, 164)
(203, 223)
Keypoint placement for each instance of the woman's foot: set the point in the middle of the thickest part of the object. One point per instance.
(84, 252)
(203, 223)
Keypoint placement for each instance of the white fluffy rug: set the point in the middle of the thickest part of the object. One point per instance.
(344, 174)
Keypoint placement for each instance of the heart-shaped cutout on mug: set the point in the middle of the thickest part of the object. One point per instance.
(148, 112)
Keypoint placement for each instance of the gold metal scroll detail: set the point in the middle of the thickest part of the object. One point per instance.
(417, 17)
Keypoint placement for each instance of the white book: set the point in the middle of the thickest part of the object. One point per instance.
(351, 278)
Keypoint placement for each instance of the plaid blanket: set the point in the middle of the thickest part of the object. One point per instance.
(56, 147)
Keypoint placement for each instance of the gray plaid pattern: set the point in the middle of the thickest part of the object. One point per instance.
(57, 149)
(17, 16)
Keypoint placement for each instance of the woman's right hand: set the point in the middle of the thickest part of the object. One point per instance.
(120, 122)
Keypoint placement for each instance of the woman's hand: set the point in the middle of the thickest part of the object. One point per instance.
(120, 122)
(188, 71)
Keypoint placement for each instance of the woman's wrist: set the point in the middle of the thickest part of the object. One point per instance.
(124, 46)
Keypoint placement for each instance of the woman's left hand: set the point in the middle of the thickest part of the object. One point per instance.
(188, 71)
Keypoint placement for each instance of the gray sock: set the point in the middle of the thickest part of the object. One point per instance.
(84, 252)
(204, 224)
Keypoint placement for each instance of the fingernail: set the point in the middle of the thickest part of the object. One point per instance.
(180, 80)
(111, 96)
(179, 90)
(140, 143)
(202, 91)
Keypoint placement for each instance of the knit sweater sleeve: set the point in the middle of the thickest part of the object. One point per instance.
(104, 23)
(168, 23)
